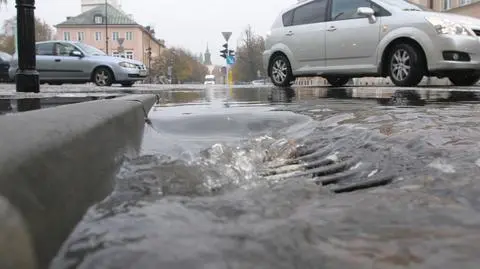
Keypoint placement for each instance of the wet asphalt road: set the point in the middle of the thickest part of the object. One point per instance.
(294, 178)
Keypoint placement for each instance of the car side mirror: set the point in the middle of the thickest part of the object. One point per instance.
(76, 53)
(367, 12)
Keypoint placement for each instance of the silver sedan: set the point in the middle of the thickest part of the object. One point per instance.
(75, 62)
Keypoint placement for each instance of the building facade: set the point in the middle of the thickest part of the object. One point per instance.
(113, 32)
(447, 5)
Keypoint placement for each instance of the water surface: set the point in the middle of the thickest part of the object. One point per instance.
(216, 186)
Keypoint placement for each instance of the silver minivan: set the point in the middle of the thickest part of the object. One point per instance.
(342, 39)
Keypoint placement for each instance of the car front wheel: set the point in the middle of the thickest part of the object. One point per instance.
(406, 65)
(103, 77)
(465, 79)
(281, 71)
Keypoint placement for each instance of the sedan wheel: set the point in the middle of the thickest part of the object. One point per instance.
(103, 77)
(280, 71)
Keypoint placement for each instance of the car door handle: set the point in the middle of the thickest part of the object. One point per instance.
(332, 28)
(290, 33)
(58, 60)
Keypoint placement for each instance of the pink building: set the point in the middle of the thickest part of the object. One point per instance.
(124, 36)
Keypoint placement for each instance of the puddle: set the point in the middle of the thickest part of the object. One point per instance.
(294, 178)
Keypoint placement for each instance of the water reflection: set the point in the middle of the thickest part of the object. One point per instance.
(5, 106)
(282, 95)
(386, 96)
(28, 104)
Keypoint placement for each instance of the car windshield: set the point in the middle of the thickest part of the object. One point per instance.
(90, 50)
(407, 5)
(5, 57)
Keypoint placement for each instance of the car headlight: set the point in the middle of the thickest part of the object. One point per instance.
(446, 27)
(127, 65)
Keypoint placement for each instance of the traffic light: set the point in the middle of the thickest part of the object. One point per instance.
(224, 52)
(231, 53)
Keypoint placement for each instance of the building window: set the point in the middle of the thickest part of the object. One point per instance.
(98, 36)
(447, 4)
(129, 35)
(129, 55)
(81, 36)
(66, 36)
(465, 2)
(115, 54)
(98, 19)
(115, 35)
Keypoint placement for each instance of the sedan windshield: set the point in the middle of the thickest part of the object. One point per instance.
(407, 5)
(90, 50)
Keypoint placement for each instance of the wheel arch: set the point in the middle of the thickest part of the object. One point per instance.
(383, 67)
(102, 66)
(275, 54)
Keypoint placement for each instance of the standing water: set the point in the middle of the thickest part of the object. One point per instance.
(283, 178)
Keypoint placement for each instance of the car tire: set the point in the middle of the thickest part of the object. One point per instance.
(128, 84)
(337, 81)
(281, 71)
(406, 65)
(464, 79)
(102, 76)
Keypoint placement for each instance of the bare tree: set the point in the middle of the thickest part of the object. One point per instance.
(249, 56)
(185, 65)
(43, 32)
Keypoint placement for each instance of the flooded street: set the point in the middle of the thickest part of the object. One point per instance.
(294, 178)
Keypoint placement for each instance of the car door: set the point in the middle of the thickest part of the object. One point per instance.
(67, 66)
(351, 39)
(305, 36)
(45, 60)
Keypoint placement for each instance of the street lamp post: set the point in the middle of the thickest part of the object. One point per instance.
(27, 77)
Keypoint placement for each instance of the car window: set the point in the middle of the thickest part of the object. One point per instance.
(64, 49)
(44, 49)
(288, 18)
(347, 9)
(313, 12)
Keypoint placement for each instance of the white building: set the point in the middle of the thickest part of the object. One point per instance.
(89, 4)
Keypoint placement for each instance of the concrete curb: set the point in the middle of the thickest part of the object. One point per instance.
(57, 162)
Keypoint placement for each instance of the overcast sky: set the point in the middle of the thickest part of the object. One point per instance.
(187, 23)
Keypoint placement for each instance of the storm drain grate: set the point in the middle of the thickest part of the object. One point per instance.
(341, 174)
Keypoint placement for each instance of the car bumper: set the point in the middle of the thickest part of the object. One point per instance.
(11, 73)
(130, 74)
(266, 59)
(468, 48)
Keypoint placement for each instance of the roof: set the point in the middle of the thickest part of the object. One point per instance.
(114, 17)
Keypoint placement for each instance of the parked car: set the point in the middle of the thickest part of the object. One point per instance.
(209, 80)
(5, 59)
(342, 39)
(75, 62)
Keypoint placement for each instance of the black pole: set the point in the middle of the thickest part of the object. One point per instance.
(106, 28)
(27, 77)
